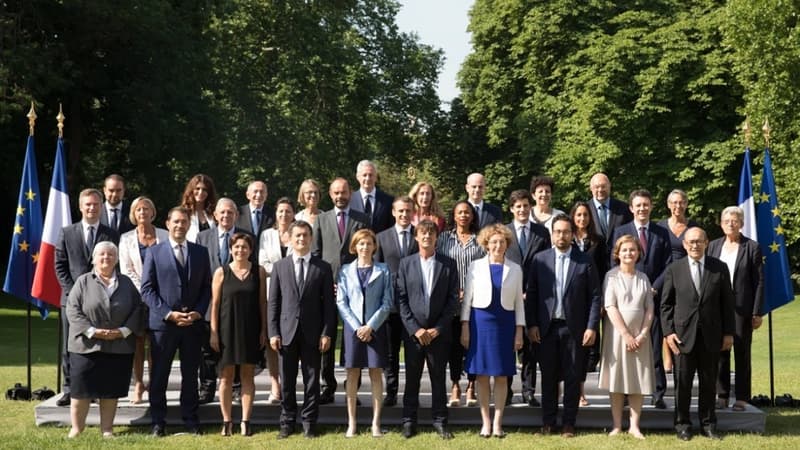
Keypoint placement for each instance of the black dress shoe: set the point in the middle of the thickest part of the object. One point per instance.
(659, 403)
(711, 433)
(326, 398)
(65, 400)
(390, 400)
(158, 431)
(533, 402)
(442, 431)
(285, 431)
(204, 397)
(409, 430)
(685, 435)
(309, 430)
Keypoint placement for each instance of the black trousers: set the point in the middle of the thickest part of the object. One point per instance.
(64, 352)
(742, 342)
(706, 364)
(561, 357)
(309, 358)
(394, 328)
(416, 356)
(329, 382)
(657, 340)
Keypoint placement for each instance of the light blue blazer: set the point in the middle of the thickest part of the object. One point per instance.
(353, 304)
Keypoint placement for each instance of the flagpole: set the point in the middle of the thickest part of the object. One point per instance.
(28, 344)
(60, 118)
(766, 130)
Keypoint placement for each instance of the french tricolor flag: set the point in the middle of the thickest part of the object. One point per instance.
(58, 215)
(746, 198)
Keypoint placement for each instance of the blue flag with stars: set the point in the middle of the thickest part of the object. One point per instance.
(27, 235)
(777, 284)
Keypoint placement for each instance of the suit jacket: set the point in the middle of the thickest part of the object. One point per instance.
(538, 240)
(478, 289)
(416, 310)
(210, 240)
(166, 286)
(618, 214)
(124, 215)
(72, 258)
(683, 311)
(245, 223)
(389, 248)
(581, 297)
(381, 217)
(313, 310)
(748, 275)
(489, 214)
(326, 242)
(130, 260)
(368, 307)
(89, 305)
(658, 254)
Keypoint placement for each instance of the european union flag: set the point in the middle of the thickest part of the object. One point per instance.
(777, 284)
(27, 235)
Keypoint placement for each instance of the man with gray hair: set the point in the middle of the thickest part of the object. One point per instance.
(373, 202)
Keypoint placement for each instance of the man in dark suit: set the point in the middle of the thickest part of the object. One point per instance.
(331, 242)
(486, 212)
(216, 240)
(176, 285)
(607, 213)
(697, 314)
(528, 239)
(302, 322)
(73, 258)
(395, 244)
(256, 216)
(373, 202)
(427, 297)
(657, 255)
(563, 314)
(115, 213)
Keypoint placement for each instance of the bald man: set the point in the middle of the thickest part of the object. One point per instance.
(256, 216)
(607, 212)
(486, 212)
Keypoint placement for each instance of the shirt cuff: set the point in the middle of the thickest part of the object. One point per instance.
(166, 318)
(90, 332)
(125, 331)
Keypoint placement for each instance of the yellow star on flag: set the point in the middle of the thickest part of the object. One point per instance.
(779, 230)
(20, 210)
(776, 212)
(774, 247)
(23, 246)
(764, 197)
(35, 257)
(18, 229)
(30, 195)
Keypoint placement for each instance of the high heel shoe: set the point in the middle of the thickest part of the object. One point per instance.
(246, 431)
(227, 428)
(471, 400)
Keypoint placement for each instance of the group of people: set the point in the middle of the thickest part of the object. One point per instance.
(235, 288)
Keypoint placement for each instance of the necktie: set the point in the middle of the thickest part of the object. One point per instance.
(560, 276)
(179, 255)
(403, 243)
(643, 239)
(256, 221)
(523, 240)
(368, 206)
(603, 216)
(341, 225)
(301, 277)
(90, 239)
(478, 213)
(697, 275)
(224, 250)
(113, 221)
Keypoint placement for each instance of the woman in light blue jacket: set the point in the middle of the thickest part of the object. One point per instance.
(364, 298)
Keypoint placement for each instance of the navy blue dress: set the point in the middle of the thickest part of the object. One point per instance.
(491, 332)
(359, 354)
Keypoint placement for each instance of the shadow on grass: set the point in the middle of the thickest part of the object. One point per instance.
(13, 322)
(782, 421)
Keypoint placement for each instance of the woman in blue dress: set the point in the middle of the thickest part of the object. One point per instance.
(492, 322)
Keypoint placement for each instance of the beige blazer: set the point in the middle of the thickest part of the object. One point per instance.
(130, 261)
(478, 289)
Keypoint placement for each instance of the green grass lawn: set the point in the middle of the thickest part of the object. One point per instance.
(17, 428)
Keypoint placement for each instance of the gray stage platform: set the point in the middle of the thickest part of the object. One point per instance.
(596, 415)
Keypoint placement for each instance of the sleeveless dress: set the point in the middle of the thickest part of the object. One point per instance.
(239, 319)
(491, 330)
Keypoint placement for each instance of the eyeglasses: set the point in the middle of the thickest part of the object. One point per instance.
(692, 243)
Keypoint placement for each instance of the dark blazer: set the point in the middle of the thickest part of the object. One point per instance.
(244, 222)
(313, 309)
(72, 258)
(326, 242)
(416, 311)
(389, 248)
(581, 295)
(538, 240)
(489, 214)
(166, 286)
(381, 217)
(209, 239)
(658, 254)
(618, 214)
(683, 312)
(748, 276)
(124, 219)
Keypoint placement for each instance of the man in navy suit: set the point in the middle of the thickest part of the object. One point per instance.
(256, 216)
(608, 213)
(486, 212)
(302, 321)
(176, 285)
(73, 258)
(115, 213)
(528, 239)
(657, 255)
(562, 313)
(395, 244)
(427, 293)
(373, 202)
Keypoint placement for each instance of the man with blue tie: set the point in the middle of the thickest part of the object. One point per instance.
(116, 211)
(176, 285)
(656, 256)
(608, 213)
(485, 212)
(562, 314)
(427, 293)
(256, 216)
(373, 202)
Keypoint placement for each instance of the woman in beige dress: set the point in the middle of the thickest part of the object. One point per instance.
(627, 363)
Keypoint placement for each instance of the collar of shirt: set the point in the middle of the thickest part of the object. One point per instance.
(221, 231)
(477, 205)
(702, 260)
(558, 252)
(638, 225)
(346, 211)
(399, 229)
(428, 260)
(518, 224)
(597, 203)
(173, 243)
(305, 258)
(364, 194)
(253, 209)
(85, 225)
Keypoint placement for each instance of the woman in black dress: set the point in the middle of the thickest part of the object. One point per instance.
(105, 313)
(238, 326)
